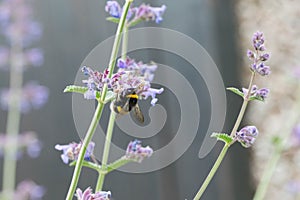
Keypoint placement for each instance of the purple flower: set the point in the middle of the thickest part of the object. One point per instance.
(26, 141)
(263, 69)
(71, 151)
(296, 135)
(16, 22)
(255, 92)
(258, 41)
(29, 190)
(137, 74)
(262, 93)
(247, 135)
(33, 96)
(143, 12)
(113, 8)
(87, 194)
(148, 13)
(136, 152)
(96, 81)
(258, 56)
(34, 57)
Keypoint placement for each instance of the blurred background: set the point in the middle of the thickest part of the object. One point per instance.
(72, 28)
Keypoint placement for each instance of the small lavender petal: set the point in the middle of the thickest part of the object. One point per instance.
(71, 151)
(88, 194)
(90, 94)
(250, 54)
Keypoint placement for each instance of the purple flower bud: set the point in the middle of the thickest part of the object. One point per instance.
(71, 151)
(136, 152)
(88, 194)
(265, 57)
(247, 135)
(250, 54)
(113, 8)
(263, 69)
(262, 93)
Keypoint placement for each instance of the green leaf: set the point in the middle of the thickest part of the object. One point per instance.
(113, 19)
(81, 90)
(236, 91)
(256, 98)
(135, 22)
(76, 89)
(222, 137)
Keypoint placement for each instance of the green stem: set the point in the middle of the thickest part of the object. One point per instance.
(243, 108)
(109, 133)
(117, 164)
(80, 159)
(212, 172)
(266, 178)
(125, 41)
(226, 146)
(13, 119)
(99, 109)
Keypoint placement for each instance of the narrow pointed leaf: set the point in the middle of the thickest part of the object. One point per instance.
(222, 137)
(113, 19)
(236, 91)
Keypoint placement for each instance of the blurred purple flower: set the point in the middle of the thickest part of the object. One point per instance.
(16, 22)
(71, 151)
(87, 194)
(143, 12)
(296, 135)
(247, 135)
(34, 57)
(136, 152)
(34, 96)
(25, 141)
(148, 13)
(29, 190)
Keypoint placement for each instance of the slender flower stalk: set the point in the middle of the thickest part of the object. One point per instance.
(247, 135)
(100, 105)
(112, 118)
(226, 146)
(13, 119)
(109, 133)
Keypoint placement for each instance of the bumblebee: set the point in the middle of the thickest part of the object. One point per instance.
(125, 102)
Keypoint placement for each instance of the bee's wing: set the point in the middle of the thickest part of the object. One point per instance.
(138, 113)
